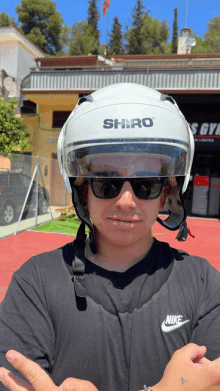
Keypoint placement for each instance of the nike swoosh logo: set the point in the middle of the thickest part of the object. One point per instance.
(167, 329)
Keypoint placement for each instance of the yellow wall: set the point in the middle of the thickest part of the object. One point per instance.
(40, 127)
(31, 123)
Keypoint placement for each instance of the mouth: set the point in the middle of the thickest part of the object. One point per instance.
(124, 219)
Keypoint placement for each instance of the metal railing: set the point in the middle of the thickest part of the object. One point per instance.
(31, 190)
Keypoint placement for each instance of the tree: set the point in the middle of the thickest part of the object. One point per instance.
(93, 18)
(133, 34)
(64, 40)
(5, 21)
(102, 49)
(201, 46)
(175, 33)
(164, 30)
(82, 41)
(115, 44)
(212, 37)
(13, 136)
(41, 23)
(155, 34)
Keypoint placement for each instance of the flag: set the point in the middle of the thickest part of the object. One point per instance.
(106, 4)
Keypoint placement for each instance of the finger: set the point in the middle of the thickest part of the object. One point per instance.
(31, 370)
(70, 385)
(194, 351)
(73, 384)
(202, 361)
(12, 382)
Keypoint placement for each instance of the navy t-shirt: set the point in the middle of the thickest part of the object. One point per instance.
(122, 335)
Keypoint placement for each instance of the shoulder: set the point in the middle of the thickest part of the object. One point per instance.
(182, 256)
(48, 263)
(189, 266)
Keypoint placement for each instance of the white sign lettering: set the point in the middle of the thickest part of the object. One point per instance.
(205, 129)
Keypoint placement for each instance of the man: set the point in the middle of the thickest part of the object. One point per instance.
(114, 308)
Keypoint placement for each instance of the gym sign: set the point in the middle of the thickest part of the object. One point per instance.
(206, 133)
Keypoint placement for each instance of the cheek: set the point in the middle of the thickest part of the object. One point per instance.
(150, 211)
(95, 206)
(153, 207)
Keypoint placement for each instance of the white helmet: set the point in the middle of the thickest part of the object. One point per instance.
(133, 124)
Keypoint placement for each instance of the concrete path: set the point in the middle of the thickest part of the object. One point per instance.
(28, 223)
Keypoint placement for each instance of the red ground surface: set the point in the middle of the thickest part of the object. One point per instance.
(16, 250)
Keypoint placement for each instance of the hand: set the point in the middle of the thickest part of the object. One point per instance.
(37, 377)
(189, 370)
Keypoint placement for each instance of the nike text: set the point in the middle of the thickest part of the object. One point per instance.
(173, 322)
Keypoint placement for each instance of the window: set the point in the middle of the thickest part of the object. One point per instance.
(28, 107)
(25, 180)
(59, 118)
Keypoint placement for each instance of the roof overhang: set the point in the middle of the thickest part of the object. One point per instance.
(203, 81)
(68, 99)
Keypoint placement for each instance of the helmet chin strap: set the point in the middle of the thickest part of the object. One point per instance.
(84, 217)
(177, 214)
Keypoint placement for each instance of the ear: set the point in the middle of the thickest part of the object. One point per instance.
(164, 195)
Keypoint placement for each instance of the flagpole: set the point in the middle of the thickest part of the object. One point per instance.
(105, 11)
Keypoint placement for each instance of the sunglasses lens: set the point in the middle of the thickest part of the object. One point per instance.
(147, 189)
(144, 189)
(106, 188)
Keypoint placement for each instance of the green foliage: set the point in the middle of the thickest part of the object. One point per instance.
(211, 41)
(165, 28)
(155, 34)
(82, 41)
(102, 50)
(201, 46)
(93, 19)
(115, 44)
(5, 21)
(41, 23)
(64, 39)
(12, 129)
(175, 33)
(212, 37)
(133, 34)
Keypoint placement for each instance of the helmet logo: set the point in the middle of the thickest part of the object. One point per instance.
(126, 123)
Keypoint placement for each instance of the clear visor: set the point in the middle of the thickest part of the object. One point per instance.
(130, 160)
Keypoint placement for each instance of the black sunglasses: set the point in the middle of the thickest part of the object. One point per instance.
(143, 188)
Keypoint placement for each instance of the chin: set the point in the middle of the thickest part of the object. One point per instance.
(124, 238)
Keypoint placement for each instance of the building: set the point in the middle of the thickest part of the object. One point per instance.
(193, 81)
(185, 41)
(17, 59)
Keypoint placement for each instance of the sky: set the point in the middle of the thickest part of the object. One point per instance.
(199, 12)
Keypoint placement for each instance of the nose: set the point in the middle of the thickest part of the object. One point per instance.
(126, 197)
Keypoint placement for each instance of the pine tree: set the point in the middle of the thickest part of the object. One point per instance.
(175, 33)
(93, 18)
(82, 40)
(155, 34)
(212, 36)
(115, 44)
(41, 23)
(133, 34)
(5, 21)
(164, 30)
